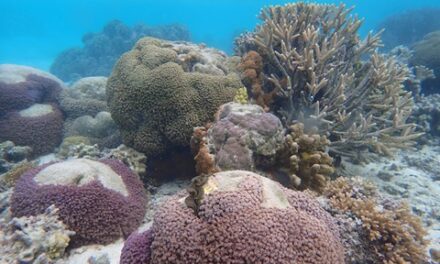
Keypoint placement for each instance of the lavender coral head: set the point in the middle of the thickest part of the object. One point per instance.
(22, 86)
(99, 200)
(242, 218)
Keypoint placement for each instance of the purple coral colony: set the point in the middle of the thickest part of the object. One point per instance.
(311, 144)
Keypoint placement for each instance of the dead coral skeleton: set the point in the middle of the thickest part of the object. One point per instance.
(326, 77)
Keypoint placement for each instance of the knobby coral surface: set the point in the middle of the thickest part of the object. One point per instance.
(241, 218)
(100, 200)
(317, 71)
(160, 90)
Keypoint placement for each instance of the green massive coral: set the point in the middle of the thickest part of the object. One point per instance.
(307, 64)
(160, 90)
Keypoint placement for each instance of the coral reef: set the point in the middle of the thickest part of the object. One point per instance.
(85, 106)
(35, 239)
(85, 97)
(243, 218)
(135, 160)
(426, 53)
(316, 71)
(137, 248)
(23, 119)
(304, 159)
(242, 137)
(39, 126)
(99, 200)
(100, 130)
(426, 115)
(241, 96)
(418, 73)
(11, 155)
(29, 113)
(160, 90)
(22, 86)
(246, 137)
(101, 50)
(408, 27)
(8, 179)
(394, 233)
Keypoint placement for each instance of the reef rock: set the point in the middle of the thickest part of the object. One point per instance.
(160, 90)
(84, 97)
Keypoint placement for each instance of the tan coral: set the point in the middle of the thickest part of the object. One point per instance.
(396, 235)
(325, 76)
(305, 157)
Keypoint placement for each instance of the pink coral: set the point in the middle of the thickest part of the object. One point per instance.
(245, 218)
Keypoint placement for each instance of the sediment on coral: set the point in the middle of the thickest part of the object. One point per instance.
(36, 239)
(395, 234)
(317, 71)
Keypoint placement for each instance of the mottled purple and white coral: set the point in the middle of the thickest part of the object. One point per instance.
(99, 200)
(242, 218)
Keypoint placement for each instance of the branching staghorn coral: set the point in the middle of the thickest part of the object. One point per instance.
(395, 234)
(324, 76)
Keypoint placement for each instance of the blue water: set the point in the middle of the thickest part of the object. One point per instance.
(33, 32)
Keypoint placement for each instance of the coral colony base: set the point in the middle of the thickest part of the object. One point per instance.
(225, 159)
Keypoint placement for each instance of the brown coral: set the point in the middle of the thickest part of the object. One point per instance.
(205, 163)
(396, 235)
(305, 159)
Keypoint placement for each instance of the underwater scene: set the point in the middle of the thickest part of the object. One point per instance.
(219, 132)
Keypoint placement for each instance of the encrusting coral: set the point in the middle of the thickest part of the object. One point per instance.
(35, 239)
(246, 137)
(395, 234)
(241, 218)
(322, 75)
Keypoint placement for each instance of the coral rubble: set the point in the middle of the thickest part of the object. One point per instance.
(34, 239)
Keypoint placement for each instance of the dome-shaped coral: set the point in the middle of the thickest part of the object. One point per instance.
(38, 126)
(29, 113)
(99, 200)
(160, 90)
(241, 218)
